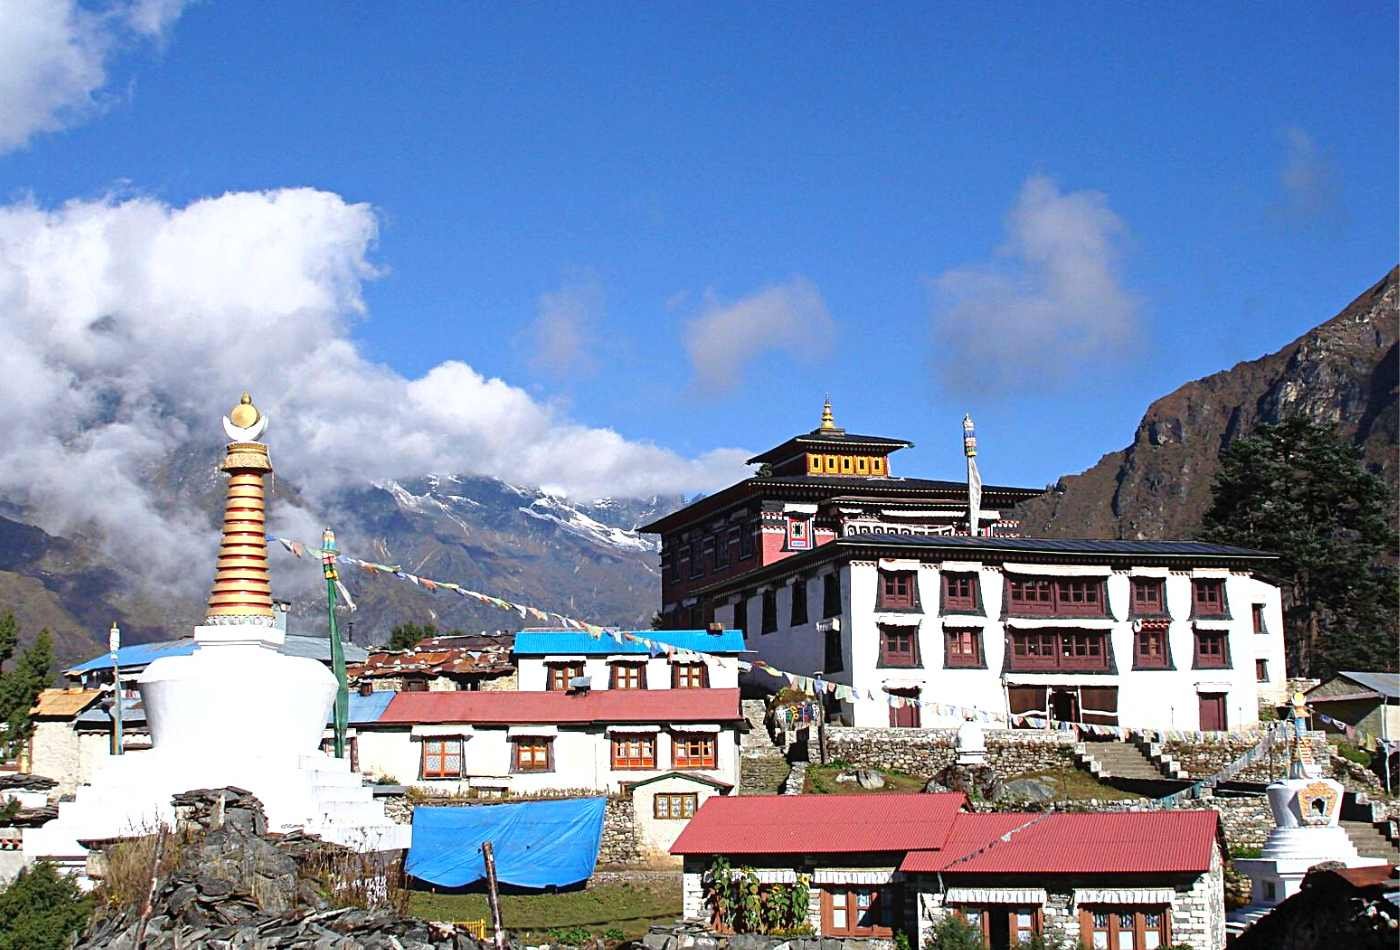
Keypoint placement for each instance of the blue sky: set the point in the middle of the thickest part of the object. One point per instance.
(687, 223)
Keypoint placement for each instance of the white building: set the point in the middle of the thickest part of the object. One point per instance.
(551, 659)
(1143, 634)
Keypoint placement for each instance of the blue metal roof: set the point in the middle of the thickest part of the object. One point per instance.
(366, 708)
(573, 642)
(143, 654)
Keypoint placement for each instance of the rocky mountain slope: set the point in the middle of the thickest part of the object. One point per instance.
(1342, 373)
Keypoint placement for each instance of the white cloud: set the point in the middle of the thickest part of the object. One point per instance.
(725, 336)
(566, 324)
(54, 56)
(1051, 303)
(128, 326)
(1310, 191)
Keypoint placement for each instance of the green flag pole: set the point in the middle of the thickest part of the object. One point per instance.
(342, 692)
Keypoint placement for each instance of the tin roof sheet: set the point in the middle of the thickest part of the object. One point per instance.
(600, 706)
(573, 642)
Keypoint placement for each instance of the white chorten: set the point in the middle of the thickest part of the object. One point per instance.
(236, 711)
(971, 743)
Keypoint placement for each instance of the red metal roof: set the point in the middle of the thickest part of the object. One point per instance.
(1078, 843)
(607, 705)
(823, 824)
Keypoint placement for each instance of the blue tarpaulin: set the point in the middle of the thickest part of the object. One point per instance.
(536, 844)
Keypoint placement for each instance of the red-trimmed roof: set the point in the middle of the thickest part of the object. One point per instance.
(823, 824)
(1078, 843)
(604, 706)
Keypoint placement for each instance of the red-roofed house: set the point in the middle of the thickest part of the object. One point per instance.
(495, 744)
(884, 863)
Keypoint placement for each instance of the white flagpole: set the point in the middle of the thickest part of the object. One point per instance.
(974, 477)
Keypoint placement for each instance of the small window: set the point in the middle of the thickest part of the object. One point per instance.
(560, 674)
(899, 646)
(831, 594)
(745, 532)
(697, 559)
(877, 466)
(962, 648)
(534, 754)
(721, 549)
(1030, 595)
(832, 649)
(1150, 649)
(1256, 613)
(634, 751)
(799, 533)
(858, 911)
(799, 603)
(628, 676)
(1261, 671)
(693, 750)
(690, 676)
(741, 615)
(1212, 649)
(862, 465)
(846, 465)
(770, 611)
(959, 592)
(674, 805)
(442, 758)
(898, 590)
(1124, 928)
(1208, 596)
(673, 563)
(415, 684)
(1147, 596)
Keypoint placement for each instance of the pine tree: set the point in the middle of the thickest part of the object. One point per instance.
(1296, 489)
(21, 683)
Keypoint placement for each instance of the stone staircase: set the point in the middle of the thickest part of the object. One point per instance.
(1116, 760)
(763, 764)
(1371, 841)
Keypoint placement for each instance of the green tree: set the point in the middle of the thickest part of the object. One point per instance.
(1298, 490)
(21, 684)
(405, 636)
(41, 910)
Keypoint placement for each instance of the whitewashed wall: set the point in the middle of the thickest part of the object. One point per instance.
(534, 672)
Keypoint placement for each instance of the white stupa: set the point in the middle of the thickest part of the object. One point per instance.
(1306, 809)
(236, 711)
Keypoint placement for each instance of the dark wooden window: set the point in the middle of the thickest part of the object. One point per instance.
(1150, 648)
(1071, 597)
(1068, 650)
(906, 715)
(1147, 596)
(628, 676)
(673, 562)
(415, 684)
(1212, 650)
(799, 602)
(831, 652)
(831, 594)
(1002, 925)
(745, 541)
(674, 805)
(1098, 705)
(1256, 614)
(769, 621)
(1208, 596)
(959, 592)
(697, 559)
(636, 751)
(1027, 699)
(722, 549)
(962, 648)
(560, 674)
(693, 750)
(898, 590)
(690, 676)
(534, 754)
(741, 615)
(858, 911)
(442, 758)
(1124, 928)
(899, 646)
(1261, 671)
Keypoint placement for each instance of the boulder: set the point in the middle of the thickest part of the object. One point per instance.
(1028, 790)
(869, 779)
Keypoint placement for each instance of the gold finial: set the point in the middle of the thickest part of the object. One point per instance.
(828, 422)
(244, 415)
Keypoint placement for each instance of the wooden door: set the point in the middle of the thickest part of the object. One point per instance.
(1212, 712)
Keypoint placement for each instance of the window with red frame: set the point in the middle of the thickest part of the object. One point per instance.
(634, 751)
(1150, 649)
(561, 673)
(898, 590)
(1256, 614)
(1076, 596)
(962, 648)
(1073, 597)
(690, 676)
(1085, 650)
(1147, 596)
(1030, 595)
(1261, 671)
(534, 754)
(1124, 928)
(628, 676)
(1021, 923)
(1208, 596)
(442, 758)
(899, 646)
(858, 911)
(1212, 650)
(959, 592)
(693, 750)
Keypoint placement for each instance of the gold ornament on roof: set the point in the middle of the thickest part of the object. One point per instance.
(245, 413)
(828, 421)
(241, 592)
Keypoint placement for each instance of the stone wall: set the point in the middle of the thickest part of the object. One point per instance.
(1247, 821)
(925, 752)
(1203, 754)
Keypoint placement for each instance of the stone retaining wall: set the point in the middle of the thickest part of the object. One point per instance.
(1206, 753)
(925, 752)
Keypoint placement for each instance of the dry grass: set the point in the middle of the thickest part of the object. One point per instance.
(352, 879)
(127, 865)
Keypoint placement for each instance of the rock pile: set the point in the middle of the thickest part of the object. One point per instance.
(235, 886)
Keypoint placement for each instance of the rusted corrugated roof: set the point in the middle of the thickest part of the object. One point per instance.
(63, 703)
(604, 706)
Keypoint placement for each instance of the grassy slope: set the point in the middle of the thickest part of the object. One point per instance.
(631, 908)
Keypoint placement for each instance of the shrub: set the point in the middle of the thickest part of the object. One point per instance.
(614, 935)
(570, 936)
(953, 933)
(41, 910)
(1354, 754)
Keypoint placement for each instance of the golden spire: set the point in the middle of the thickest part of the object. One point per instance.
(241, 586)
(828, 422)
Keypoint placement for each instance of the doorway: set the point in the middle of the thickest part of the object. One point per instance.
(1212, 712)
(1064, 705)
